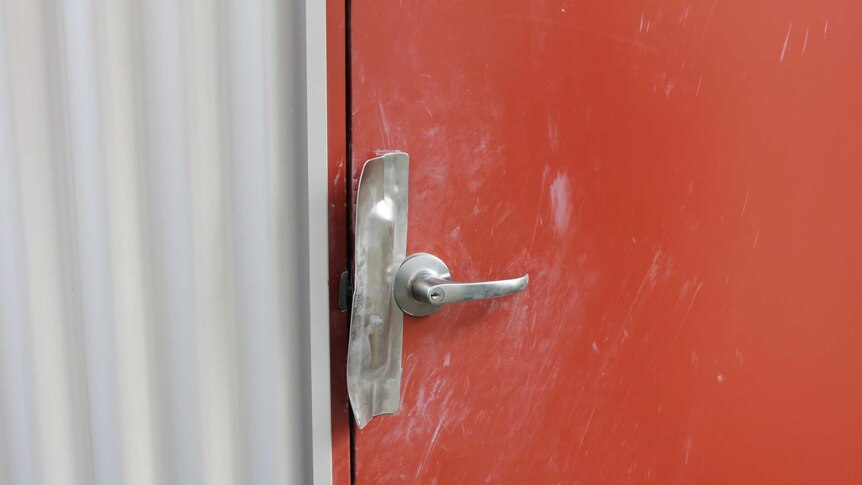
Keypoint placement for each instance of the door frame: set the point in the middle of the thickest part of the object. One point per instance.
(316, 225)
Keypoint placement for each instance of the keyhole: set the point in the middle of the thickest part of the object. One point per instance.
(437, 295)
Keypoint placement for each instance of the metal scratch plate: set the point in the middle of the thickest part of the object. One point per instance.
(374, 350)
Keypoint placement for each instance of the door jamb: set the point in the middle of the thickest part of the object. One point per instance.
(317, 232)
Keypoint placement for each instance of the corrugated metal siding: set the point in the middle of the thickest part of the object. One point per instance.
(151, 205)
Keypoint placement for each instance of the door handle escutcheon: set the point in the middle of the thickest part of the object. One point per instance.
(387, 284)
(423, 284)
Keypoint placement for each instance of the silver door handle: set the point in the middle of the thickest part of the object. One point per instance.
(423, 284)
(387, 284)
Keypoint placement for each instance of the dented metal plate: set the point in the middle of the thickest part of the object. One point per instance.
(374, 351)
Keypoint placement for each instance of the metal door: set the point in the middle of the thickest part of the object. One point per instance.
(681, 181)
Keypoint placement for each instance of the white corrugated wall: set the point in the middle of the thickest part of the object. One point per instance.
(154, 256)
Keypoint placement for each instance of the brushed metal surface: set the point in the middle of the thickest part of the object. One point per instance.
(374, 349)
(423, 285)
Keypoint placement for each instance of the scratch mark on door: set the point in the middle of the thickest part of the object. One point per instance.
(786, 41)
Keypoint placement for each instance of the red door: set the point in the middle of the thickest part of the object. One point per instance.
(682, 180)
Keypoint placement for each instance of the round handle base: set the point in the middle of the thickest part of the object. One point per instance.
(415, 265)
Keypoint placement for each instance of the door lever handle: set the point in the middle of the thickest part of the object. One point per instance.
(387, 284)
(423, 284)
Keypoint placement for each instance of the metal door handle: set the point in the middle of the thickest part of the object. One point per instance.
(423, 284)
(387, 284)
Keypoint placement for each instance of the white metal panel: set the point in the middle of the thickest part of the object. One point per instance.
(162, 310)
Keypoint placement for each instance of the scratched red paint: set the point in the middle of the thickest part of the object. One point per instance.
(682, 182)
